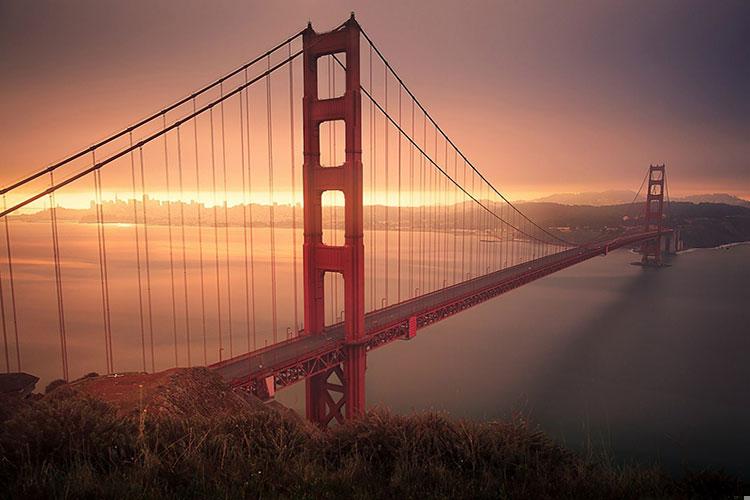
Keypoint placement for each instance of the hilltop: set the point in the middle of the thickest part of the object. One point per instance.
(185, 434)
(702, 225)
(621, 197)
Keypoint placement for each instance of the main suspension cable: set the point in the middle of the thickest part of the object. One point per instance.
(151, 117)
(441, 170)
(147, 140)
(424, 110)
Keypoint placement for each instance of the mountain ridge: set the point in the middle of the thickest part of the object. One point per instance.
(621, 197)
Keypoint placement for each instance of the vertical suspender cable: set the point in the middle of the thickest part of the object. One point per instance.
(445, 218)
(226, 225)
(138, 255)
(169, 235)
(455, 218)
(472, 234)
(432, 254)
(274, 318)
(374, 251)
(184, 249)
(104, 281)
(373, 197)
(244, 215)
(148, 264)
(97, 204)
(294, 191)
(504, 232)
(437, 243)
(398, 245)
(432, 234)
(58, 282)
(463, 229)
(5, 328)
(495, 240)
(411, 206)
(481, 245)
(440, 233)
(200, 238)
(514, 240)
(386, 161)
(485, 232)
(254, 323)
(12, 285)
(492, 252)
(216, 236)
(422, 207)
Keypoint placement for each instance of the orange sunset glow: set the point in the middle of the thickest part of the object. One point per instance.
(395, 249)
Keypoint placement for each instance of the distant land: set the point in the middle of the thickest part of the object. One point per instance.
(621, 197)
(703, 223)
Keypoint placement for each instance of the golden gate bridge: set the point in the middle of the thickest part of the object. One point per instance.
(201, 255)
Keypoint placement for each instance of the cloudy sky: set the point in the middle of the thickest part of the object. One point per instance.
(543, 96)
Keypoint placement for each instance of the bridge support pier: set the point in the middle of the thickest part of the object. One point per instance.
(347, 379)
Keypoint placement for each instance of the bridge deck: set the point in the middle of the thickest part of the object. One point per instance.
(295, 359)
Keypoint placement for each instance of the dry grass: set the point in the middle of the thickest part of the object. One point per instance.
(70, 445)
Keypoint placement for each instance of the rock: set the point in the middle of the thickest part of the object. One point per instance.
(21, 383)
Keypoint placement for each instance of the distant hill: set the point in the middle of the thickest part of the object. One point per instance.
(702, 224)
(597, 199)
(621, 197)
(724, 198)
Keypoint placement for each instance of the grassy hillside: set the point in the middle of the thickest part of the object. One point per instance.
(69, 444)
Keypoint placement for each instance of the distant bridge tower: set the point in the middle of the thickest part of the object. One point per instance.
(652, 249)
(328, 398)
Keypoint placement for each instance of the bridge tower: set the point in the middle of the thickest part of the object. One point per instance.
(327, 398)
(652, 249)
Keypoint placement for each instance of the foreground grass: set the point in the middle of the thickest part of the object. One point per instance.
(69, 445)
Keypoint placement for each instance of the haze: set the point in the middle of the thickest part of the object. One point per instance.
(545, 97)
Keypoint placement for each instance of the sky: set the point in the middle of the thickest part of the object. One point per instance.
(543, 96)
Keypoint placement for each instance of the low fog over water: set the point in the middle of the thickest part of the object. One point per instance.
(641, 363)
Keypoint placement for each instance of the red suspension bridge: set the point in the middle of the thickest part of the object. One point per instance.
(200, 255)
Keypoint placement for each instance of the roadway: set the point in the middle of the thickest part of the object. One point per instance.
(285, 355)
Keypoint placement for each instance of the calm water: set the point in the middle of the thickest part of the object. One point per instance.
(647, 364)
(208, 306)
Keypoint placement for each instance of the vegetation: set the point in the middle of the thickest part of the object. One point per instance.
(702, 225)
(69, 444)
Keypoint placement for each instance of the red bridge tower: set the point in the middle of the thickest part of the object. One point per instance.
(327, 398)
(652, 249)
